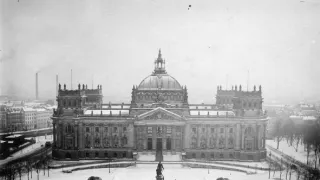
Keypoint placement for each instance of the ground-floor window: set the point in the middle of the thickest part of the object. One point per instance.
(97, 154)
(124, 155)
(212, 155)
(203, 155)
(193, 155)
(87, 155)
(115, 155)
(106, 154)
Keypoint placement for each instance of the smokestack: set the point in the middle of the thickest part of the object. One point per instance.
(37, 95)
(57, 85)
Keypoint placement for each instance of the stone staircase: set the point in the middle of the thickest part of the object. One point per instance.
(159, 156)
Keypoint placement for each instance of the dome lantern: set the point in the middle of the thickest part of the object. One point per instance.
(159, 65)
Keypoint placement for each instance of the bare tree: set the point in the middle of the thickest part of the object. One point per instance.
(278, 133)
(19, 168)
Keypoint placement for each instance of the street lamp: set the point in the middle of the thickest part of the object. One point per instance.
(270, 163)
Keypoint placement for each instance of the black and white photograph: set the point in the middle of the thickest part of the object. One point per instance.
(160, 89)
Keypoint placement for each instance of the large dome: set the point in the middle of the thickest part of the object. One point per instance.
(159, 81)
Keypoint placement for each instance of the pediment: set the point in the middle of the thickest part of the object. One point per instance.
(158, 114)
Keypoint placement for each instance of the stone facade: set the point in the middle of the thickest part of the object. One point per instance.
(158, 117)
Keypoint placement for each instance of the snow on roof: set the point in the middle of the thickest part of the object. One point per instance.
(14, 136)
(28, 109)
(117, 106)
(309, 118)
(106, 112)
(211, 113)
(200, 107)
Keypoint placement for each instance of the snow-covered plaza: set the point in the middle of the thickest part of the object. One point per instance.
(148, 172)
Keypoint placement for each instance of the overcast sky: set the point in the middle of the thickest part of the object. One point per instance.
(115, 43)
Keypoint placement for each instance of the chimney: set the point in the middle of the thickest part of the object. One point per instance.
(37, 94)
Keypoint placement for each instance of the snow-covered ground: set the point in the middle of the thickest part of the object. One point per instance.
(251, 164)
(148, 172)
(300, 155)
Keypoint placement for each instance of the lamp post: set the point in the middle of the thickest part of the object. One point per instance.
(270, 163)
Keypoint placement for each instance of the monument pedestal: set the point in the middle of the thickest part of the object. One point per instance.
(160, 177)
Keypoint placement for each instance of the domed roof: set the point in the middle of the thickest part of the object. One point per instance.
(159, 81)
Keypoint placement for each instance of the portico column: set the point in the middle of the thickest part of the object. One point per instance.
(76, 136)
(242, 137)
(238, 136)
(198, 136)
(226, 137)
(182, 139)
(217, 127)
(154, 137)
(187, 139)
(173, 139)
(145, 139)
(164, 144)
(80, 140)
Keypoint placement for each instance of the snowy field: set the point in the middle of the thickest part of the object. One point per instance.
(148, 172)
(300, 155)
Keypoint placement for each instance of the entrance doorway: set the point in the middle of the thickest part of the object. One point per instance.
(149, 143)
(159, 144)
(168, 143)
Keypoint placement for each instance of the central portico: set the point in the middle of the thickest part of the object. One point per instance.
(159, 129)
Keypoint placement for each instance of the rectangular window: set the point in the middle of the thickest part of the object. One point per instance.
(221, 130)
(106, 129)
(194, 130)
(115, 129)
(149, 130)
(87, 129)
(231, 130)
(203, 130)
(124, 129)
(97, 129)
(212, 130)
(169, 129)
